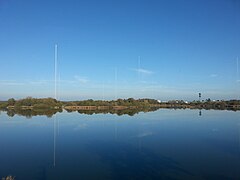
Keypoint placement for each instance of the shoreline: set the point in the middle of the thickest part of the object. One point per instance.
(130, 104)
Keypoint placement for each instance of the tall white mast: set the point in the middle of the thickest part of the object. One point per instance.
(238, 78)
(115, 88)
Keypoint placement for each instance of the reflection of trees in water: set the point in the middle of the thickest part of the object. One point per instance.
(11, 113)
(130, 112)
(28, 113)
(69, 110)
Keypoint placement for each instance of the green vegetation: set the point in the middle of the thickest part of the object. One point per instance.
(48, 106)
(29, 107)
(205, 104)
(31, 103)
(3, 105)
(120, 102)
(208, 104)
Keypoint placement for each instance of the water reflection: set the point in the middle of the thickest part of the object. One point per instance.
(166, 144)
(130, 112)
(28, 113)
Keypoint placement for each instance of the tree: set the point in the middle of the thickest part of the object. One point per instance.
(11, 102)
(208, 100)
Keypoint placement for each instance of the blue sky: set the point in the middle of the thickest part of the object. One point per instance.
(108, 49)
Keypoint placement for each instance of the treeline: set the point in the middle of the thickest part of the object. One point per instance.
(32, 103)
(205, 104)
(120, 102)
(208, 104)
(50, 103)
(3, 105)
(42, 103)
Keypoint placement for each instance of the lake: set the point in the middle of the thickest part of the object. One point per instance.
(164, 144)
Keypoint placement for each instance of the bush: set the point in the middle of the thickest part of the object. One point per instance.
(41, 106)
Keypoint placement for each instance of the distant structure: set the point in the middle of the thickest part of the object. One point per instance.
(238, 78)
(199, 95)
(115, 83)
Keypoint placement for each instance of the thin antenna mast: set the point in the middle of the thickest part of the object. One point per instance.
(115, 84)
(238, 78)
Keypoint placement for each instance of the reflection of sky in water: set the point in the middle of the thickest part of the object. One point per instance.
(177, 144)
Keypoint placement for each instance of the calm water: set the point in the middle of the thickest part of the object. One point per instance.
(165, 144)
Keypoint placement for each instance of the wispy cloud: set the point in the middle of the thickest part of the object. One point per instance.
(213, 75)
(143, 71)
(11, 83)
(39, 82)
(76, 80)
(81, 80)
(24, 82)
